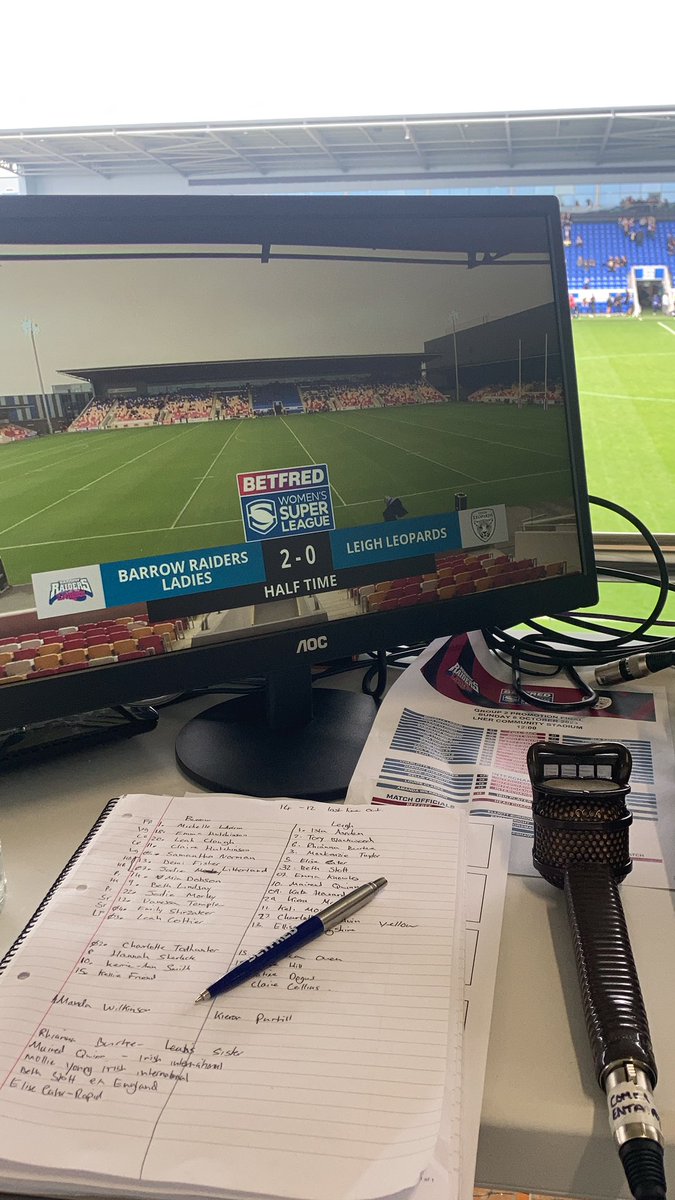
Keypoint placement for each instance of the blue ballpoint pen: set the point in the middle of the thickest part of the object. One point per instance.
(305, 932)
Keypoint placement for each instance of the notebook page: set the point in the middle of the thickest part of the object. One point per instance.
(322, 1076)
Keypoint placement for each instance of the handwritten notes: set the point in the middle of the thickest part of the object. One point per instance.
(324, 1075)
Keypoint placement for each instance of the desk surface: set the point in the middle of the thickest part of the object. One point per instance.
(544, 1125)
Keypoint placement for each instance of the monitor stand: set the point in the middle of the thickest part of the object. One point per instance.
(288, 739)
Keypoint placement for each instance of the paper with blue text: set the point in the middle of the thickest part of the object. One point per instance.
(328, 1074)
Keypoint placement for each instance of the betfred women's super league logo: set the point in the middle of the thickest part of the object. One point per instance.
(78, 590)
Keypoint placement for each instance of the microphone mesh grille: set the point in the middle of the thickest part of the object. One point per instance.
(579, 829)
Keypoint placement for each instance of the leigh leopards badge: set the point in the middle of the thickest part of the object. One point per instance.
(483, 523)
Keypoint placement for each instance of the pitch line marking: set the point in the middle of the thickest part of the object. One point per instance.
(52, 460)
(445, 466)
(474, 438)
(211, 465)
(87, 485)
(312, 459)
(638, 354)
(622, 396)
(667, 328)
(92, 537)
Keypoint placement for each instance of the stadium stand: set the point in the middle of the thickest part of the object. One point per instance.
(93, 417)
(14, 433)
(601, 256)
(185, 408)
(459, 573)
(527, 393)
(263, 401)
(92, 644)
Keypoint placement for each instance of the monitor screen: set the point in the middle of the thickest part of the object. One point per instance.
(239, 433)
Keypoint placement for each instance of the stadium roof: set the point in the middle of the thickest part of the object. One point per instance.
(570, 143)
(243, 369)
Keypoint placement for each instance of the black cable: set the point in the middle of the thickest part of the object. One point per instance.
(557, 651)
(376, 675)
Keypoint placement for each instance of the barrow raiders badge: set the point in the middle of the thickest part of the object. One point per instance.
(483, 522)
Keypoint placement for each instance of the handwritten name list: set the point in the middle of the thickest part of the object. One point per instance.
(323, 1075)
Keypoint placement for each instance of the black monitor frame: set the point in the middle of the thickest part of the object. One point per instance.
(98, 220)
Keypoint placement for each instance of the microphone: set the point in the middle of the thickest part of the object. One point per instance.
(634, 667)
(581, 824)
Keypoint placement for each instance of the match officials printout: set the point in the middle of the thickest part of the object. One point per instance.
(326, 1075)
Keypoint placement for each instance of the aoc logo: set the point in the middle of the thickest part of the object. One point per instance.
(77, 590)
(312, 643)
(262, 516)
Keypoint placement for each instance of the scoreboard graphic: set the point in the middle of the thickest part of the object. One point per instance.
(292, 548)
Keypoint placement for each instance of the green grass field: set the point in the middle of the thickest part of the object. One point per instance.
(70, 500)
(626, 373)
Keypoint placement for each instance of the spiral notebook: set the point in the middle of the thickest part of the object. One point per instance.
(328, 1074)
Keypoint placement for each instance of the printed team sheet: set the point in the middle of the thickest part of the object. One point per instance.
(452, 732)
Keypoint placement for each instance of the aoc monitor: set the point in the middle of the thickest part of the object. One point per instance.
(240, 436)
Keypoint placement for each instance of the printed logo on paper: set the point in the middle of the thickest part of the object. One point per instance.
(286, 501)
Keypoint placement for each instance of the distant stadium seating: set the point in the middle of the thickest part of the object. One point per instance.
(15, 433)
(458, 573)
(93, 644)
(600, 255)
(265, 400)
(527, 393)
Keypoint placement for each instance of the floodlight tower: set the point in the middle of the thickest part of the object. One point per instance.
(454, 317)
(30, 328)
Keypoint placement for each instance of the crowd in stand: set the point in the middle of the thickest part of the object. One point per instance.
(346, 394)
(233, 405)
(418, 392)
(526, 393)
(214, 405)
(315, 401)
(136, 410)
(176, 409)
(15, 433)
(92, 417)
(636, 227)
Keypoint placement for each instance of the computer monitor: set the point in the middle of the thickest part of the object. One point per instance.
(240, 436)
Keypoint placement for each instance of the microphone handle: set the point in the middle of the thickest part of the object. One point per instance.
(616, 1020)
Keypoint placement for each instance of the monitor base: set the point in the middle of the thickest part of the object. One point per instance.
(231, 747)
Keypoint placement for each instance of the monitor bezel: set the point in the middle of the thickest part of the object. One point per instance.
(184, 220)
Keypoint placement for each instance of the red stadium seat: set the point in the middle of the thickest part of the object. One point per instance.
(152, 642)
(130, 655)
